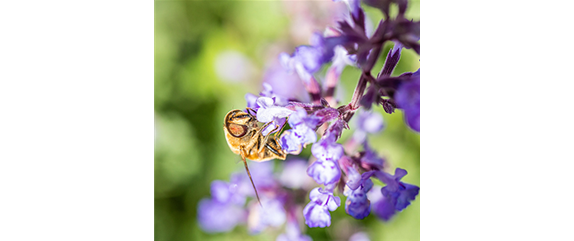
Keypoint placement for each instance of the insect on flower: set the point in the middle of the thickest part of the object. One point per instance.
(245, 138)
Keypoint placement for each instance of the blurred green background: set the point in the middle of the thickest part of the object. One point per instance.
(208, 55)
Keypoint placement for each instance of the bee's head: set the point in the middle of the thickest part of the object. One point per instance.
(237, 122)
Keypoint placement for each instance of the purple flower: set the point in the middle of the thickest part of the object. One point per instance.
(293, 233)
(408, 97)
(353, 5)
(307, 60)
(360, 236)
(224, 192)
(283, 86)
(209, 213)
(290, 145)
(273, 214)
(367, 122)
(302, 132)
(327, 149)
(397, 193)
(381, 206)
(317, 210)
(324, 172)
(262, 174)
(357, 204)
(269, 112)
(293, 174)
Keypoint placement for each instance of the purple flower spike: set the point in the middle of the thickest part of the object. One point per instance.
(209, 213)
(273, 214)
(398, 193)
(293, 233)
(317, 211)
(357, 204)
(354, 178)
(302, 132)
(370, 121)
(289, 144)
(293, 174)
(268, 110)
(327, 150)
(360, 236)
(324, 172)
(223, 192)
(381, 206)
(408, 98)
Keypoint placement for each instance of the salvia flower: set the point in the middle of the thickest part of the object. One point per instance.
(302, 132)
(382, 207)
(360, 236)
(293, 233)
(269, 112)
(408, 98)
(400, 193)
(273, 214)
(317, 211)
(357, 204)
(210, 212)
(324, 172)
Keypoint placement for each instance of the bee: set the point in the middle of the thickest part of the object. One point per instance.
(244, 138)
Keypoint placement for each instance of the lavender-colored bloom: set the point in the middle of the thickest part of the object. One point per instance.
(292, 233)
(342, 58)
(224, 192)
(268, 110)
(294, 174)
(398, 193)
(302, 132)
(357, 204)
(408, 98)
(354, 178)
(370, 121)
(354, 6)
(283, 86)
(381, 206)
(360, 236)
(367, 122)
(273, 214)
(210, 213)
(324, 172)
(317, 211)
(327, 149)
(262, 174)
(307, 60)
(290, 145)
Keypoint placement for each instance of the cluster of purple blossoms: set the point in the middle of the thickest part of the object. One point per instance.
(342, 168)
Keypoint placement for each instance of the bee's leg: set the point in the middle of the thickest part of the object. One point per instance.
(250, 110)
(242, 154)
(282, 126)
(265, 140)
(256, 138)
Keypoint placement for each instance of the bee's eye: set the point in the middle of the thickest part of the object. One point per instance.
(237, 130)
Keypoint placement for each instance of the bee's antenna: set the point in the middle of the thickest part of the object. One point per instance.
(249, 174)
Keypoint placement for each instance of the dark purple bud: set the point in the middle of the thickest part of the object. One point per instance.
(388, 105)
(369, 97)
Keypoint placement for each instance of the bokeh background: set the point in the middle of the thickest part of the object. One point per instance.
(208, 55)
